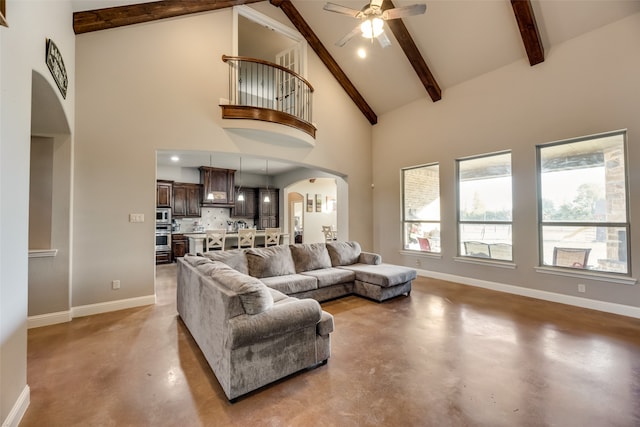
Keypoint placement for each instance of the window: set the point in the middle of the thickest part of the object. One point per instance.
(485, 207)
(583, 203)
(421, 208)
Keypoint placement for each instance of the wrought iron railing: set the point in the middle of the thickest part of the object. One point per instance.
(262, 84)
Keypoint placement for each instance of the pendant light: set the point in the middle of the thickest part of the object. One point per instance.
(210, 195)
(240, 193)
(267, 199)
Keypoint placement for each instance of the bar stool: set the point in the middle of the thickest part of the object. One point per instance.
(215, 239)
(246, 238)
(271, 237)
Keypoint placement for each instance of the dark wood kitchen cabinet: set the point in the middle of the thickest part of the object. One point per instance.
(246, 208)
(179, 245)
(163, 257)
(219, 184)
(186, 200)
(268, 212)
(164, 191)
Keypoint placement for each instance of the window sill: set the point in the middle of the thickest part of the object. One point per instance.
(42, 253)
(586, 274)
(486, 261)
(421, 254)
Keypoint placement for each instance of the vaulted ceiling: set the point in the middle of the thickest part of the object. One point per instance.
(454, 41)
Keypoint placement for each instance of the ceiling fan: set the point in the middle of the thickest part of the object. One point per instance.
(373, 17)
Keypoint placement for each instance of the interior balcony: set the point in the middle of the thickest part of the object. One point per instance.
(268, 92)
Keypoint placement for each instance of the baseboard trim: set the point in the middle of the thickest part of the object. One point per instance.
(48, 319)
(19, 408)
(608, 307)
(105, 307)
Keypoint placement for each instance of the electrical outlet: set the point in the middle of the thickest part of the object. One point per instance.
(418, 263)
(115, 284)
(582, 288)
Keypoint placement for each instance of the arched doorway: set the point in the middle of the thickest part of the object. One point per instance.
(49, 299)
(296, 217)
(318, 197)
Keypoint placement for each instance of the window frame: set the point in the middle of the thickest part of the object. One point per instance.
(459, 222)
(542, 223)
(404, 221)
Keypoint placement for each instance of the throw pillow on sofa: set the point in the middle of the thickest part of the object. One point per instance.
(269, 262)
(310, 256)
(343, 253)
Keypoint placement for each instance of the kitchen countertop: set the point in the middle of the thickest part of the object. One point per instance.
(203, 234)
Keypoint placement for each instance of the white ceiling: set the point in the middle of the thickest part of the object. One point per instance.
(459, 40)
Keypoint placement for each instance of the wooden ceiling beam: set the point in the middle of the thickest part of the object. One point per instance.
(414, 56)
(301, 25)
(528, 30)
(112, 17)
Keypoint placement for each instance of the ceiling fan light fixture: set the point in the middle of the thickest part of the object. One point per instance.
(372, 28)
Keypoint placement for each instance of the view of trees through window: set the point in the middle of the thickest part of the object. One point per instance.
(583, 203)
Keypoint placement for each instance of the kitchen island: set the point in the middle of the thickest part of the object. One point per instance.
(196, 240)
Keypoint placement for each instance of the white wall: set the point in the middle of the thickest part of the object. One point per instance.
(157, 86)
(22, 50)
(585, 86)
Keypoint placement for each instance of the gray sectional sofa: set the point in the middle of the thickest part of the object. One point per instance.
(255, 313)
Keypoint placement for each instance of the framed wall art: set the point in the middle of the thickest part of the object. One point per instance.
(309, 203)
(318, 202)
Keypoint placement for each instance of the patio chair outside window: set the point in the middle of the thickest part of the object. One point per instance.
(477, 249)
(571, 257)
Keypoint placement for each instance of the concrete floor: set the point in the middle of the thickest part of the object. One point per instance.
(448, 355)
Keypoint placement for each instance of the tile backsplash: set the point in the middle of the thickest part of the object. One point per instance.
(210, 218)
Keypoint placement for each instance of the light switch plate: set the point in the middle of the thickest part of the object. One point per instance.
(136, 217)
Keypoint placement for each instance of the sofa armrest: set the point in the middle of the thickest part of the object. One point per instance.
(281, 319)
(369, 258)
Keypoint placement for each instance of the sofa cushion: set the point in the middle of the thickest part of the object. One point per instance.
(310, 256)
(383, 275)
(291, 283)
(234, 258)
(343, 253)
(271, 261)
(331, 276)
(254, 295)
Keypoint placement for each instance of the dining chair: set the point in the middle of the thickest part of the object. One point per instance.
(330, 235)
(215, 239)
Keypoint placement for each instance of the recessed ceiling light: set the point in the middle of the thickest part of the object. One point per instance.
(362, 53)
(175, 158)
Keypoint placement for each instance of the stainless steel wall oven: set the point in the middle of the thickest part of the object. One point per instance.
(163, 237)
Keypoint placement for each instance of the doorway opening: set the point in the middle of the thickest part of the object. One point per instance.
(49, 278)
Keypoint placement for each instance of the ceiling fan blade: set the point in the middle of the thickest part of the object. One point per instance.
(349, 36)
(332, 7)
(383, 39)
(401, 12)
